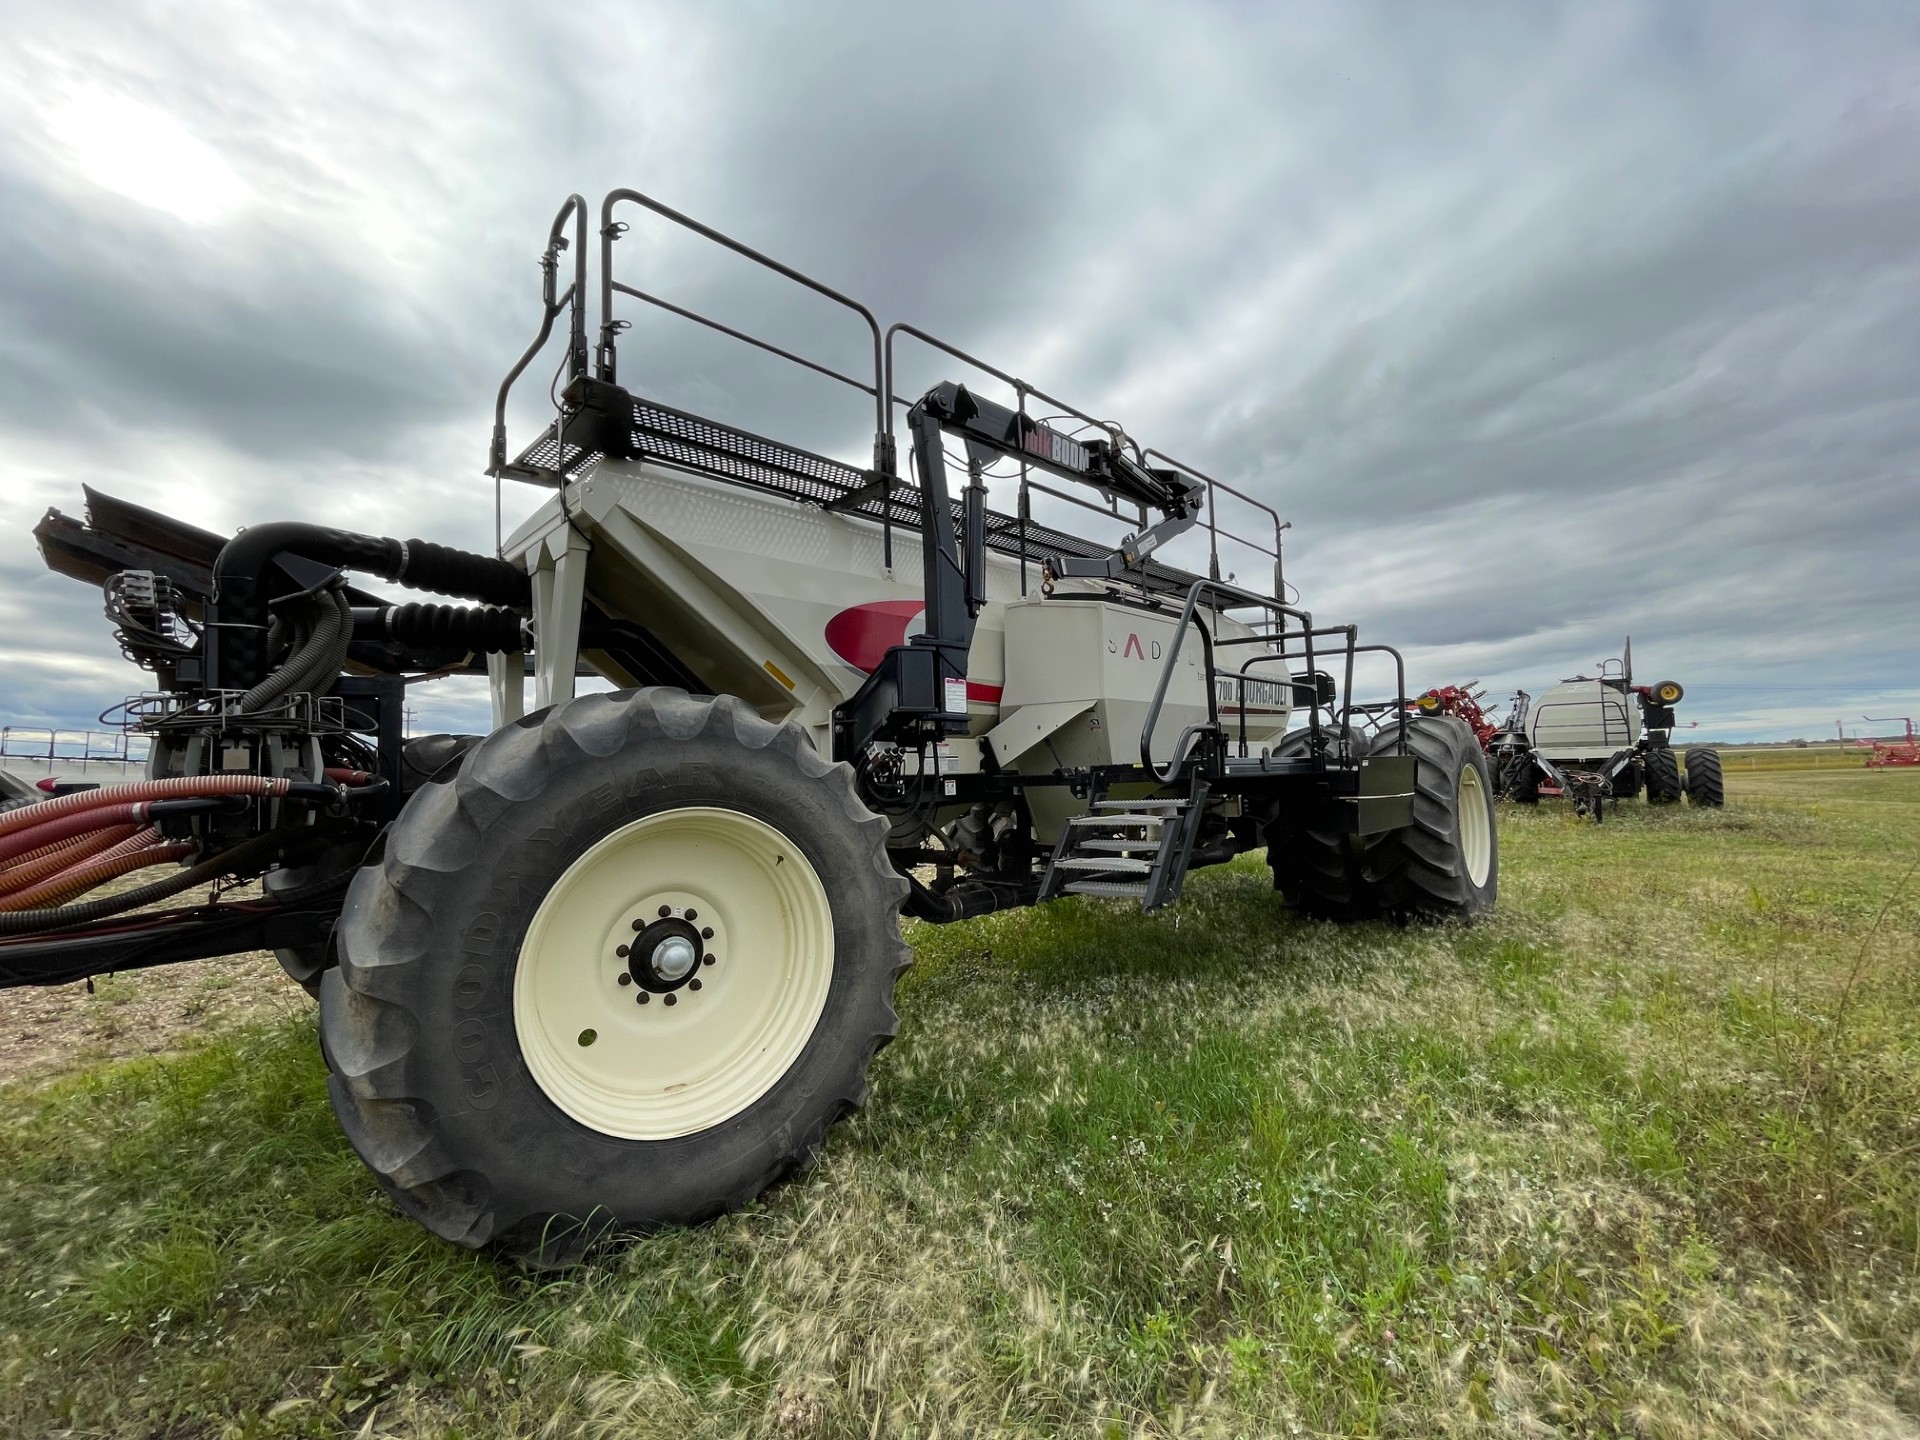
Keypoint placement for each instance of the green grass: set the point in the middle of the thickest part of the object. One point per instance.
(1641, 1156)
(1774, 758)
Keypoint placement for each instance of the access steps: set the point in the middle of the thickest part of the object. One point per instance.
(1126, 850)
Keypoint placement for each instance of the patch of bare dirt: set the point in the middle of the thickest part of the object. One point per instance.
(47, 1031)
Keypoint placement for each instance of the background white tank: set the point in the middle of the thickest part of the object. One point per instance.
(1585, 718)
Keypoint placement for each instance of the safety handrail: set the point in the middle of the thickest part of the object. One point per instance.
(1232, 597)
(552, 305)
(573, 299)
(1213, 523)
(1347, 707)
(697, 318)
(604, 362)
(1020, 387)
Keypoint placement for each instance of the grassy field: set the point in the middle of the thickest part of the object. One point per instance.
(1641, 1156)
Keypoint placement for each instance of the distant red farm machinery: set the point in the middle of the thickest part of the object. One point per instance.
(1890, 754)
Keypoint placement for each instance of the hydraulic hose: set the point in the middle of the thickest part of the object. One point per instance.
(31, 817)
(237, 615)
(55, 858)
(83, 877)
(239, 860)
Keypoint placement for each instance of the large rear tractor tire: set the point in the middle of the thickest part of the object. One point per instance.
(1446, 865)
(1320, 873)
(620, 969)
(1663, 777)
(1705, 783)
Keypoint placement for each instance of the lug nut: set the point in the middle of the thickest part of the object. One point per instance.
(693, 914)
(623, 978)
(693, 984)
(709, 959)
(672, 1000)
(665, 910)
(623, 951)
(642, 998)
(638, 926)
(706, 932)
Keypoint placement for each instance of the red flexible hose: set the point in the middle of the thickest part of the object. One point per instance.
(28, 856)
(38, 865)
(341, 776)
(38, 839)
(83, 877)
(175, 787)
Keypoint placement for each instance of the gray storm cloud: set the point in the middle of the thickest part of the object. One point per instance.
(1542, 324)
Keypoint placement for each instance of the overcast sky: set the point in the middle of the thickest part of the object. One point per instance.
(1542, 324)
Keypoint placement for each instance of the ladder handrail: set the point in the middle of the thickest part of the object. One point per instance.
(1234, 598)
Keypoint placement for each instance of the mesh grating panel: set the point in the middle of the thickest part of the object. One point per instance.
(721, 452)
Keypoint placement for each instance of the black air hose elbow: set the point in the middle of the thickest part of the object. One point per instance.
(237, 613)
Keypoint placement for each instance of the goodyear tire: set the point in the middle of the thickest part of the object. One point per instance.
(1446, 865)
(619, 970)
(1705, 783)
(1321, 873)
(1663, 777)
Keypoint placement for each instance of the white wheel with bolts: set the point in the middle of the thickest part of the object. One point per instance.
(673, 973)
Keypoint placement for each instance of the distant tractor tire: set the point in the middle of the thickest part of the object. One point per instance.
(1663, 777)
(1446, 864)
(1705, 783)
(1520, 778)
(1320, 873)
(1628, 781)
(619, 970)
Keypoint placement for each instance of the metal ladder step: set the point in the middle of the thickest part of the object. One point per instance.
(1080, 821)
(1114, 866)
(1109, 889)
(1116, 845)
(1165, 806)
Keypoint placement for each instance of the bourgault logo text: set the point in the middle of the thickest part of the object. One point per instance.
(1133, 649)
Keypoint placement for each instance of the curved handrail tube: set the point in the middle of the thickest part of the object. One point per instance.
(1237, 599)
(609, 232)
(574, 296)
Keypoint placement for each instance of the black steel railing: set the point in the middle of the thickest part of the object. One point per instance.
(1280, 645)
(559, 459)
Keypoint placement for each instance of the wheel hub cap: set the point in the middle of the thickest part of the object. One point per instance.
(664, 956)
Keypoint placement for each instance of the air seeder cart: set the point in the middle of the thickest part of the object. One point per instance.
(1592, 738)
(621, 962)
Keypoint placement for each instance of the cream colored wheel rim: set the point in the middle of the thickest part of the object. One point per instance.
(1476, 825)
(654, 1071)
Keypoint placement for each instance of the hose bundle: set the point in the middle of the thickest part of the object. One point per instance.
(314, 658)
(29, 817)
